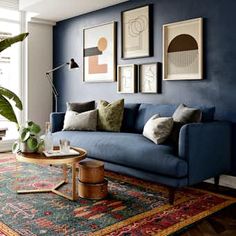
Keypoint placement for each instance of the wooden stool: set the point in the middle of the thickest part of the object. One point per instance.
(91, 180)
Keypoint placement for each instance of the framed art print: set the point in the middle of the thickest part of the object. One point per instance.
(148, 78)
(182, 50)
(126, 78)
(136, 38)
(99, 53)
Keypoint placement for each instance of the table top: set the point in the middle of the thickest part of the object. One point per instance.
(40, 158)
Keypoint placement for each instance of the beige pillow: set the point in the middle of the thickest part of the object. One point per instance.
(80, 121)
(157, 128)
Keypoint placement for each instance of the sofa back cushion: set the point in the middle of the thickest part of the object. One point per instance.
(130, 116)
(146, 111)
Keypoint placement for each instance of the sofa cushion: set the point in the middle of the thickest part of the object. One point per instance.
(130, 115)
(110, 115)
(146, 111)
(127, 149)
(80, 106)
(80, 121)
(157, 128)
(184, 114)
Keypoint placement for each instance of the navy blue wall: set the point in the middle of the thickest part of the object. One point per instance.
(219, 85)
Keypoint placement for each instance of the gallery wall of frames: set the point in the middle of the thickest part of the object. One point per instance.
(182, 52)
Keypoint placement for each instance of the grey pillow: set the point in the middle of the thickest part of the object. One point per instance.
(80, 121)
(157, 129)
(184, 114)
(80, 106)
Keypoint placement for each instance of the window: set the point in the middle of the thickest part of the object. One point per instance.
(10, 64)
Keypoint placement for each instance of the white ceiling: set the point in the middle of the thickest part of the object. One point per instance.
(57, 10)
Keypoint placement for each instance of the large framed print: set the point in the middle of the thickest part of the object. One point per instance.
(182, 50)
(148, 78)
(99, 53)
(126, 78)
(136, 32)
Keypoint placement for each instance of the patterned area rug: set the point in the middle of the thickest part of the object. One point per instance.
(133, 207)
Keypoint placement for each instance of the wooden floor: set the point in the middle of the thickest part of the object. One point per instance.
(221, 223)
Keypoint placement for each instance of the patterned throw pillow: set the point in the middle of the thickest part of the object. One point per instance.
(157, 129)
(80, 121)
(110, 115)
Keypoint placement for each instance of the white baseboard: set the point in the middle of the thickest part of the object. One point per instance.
(225, 180)
(6, 145)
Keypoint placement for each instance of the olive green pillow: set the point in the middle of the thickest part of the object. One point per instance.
(110, 115)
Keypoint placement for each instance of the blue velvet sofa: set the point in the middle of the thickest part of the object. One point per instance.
(204, 149)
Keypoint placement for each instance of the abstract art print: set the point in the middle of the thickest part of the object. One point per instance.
(99, 51)
(126, 78)
(182, 50)
(148, 78)
(136, 30)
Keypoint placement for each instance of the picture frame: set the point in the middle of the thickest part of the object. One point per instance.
(148, 77)
(136, 32)
(99, 53)
(126, 78)
(183, 50)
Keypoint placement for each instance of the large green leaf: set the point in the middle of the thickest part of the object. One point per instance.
(4, 44)
(35, 129)
(25, 134)
(32, 143)
(15, 147)
(6, 110)
(12, 96)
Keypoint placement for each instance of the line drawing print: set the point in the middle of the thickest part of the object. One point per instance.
(136, 27)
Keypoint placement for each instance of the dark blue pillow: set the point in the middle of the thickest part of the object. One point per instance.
(208, 113)
(129, 118)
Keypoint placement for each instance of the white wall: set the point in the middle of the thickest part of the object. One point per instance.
(39, 94)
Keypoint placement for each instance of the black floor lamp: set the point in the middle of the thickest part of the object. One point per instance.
(71, 65)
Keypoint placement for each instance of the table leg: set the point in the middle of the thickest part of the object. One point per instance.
(74, 182)
(65, 173)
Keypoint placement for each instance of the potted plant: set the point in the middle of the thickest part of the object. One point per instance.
(29, 140)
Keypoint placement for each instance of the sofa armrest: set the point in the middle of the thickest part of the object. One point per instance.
(207, 149)
(57, 120)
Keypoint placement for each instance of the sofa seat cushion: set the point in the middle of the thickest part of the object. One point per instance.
(127, 149)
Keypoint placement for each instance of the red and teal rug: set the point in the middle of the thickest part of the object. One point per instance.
(133, 207)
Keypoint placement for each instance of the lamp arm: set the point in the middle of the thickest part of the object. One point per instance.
(54, 91)
(52, 85)
(58, 67)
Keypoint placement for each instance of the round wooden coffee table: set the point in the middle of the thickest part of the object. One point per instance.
(37, 158)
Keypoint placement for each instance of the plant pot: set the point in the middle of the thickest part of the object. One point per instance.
(24, 148)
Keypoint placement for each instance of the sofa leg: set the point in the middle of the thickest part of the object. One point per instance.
(216, 181)
(171, 195)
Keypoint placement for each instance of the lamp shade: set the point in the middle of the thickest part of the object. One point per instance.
(73, 64)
